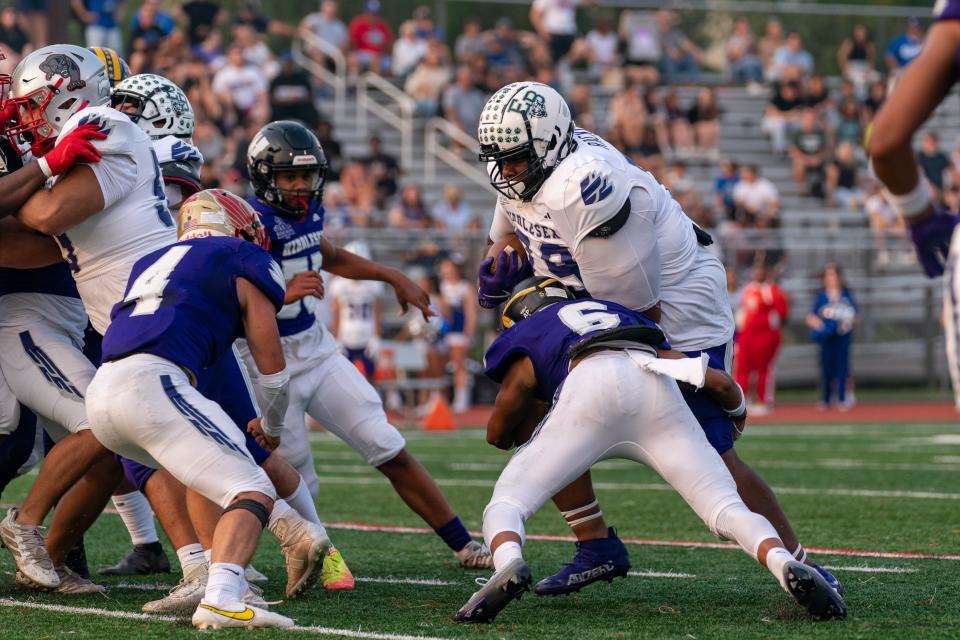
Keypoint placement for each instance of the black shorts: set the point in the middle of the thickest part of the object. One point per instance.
(560, 46)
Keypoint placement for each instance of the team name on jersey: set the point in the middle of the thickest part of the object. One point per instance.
(302, 243)
(590, 139)
(531, 229)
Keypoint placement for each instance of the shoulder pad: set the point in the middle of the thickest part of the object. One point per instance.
(121, 131)
(589, 190)
(173, 149)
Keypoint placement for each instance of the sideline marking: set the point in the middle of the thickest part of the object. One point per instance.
(660, 574)
(130, 615)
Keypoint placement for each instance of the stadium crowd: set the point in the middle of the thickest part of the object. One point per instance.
(236, 83)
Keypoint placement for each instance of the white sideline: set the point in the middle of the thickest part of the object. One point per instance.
(870, 569)
(429, 582)
(660, 574)
(631, 486)
(130, 615)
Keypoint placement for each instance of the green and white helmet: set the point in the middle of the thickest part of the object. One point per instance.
(524, 120)
(156, 105)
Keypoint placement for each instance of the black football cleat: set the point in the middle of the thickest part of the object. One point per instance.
(501, 589)
(142, 560)
(76, 560)
(813, 592)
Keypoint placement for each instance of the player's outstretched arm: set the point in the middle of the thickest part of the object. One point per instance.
(263, 339)
(341, 262)
(24, 248)
(515, 401)
(920, 88)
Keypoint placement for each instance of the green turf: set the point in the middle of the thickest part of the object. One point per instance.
(814, 467)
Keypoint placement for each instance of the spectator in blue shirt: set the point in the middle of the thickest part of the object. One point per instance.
(831, 321)
(905, 47)
(100, 21)
(149, 26)
(791, 61)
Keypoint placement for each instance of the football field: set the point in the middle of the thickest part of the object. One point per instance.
(881, 502)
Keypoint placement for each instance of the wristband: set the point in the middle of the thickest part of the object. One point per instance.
(44, 167)
(910, 204)
(741, 408)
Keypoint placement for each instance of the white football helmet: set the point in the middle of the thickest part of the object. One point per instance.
(156, 105)
(50, 85)
(524, 120)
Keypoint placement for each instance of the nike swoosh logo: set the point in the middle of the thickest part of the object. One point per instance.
(236, 573)
(245, 615)
(26, 80)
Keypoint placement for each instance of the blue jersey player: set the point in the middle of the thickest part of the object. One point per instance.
(182, 310)
(287, 168)
(596, 363)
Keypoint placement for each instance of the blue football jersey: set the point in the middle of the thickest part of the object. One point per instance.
(295, 245)
(181, 301)
(547, 336)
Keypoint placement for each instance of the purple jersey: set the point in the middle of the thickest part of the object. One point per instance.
(295, 245)
(547, 336)
(946, 10)
(181, 301)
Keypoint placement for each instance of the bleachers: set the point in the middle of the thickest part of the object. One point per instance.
(898, 303)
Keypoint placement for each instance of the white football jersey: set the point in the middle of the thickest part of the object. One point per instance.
(654, 257)
(356, 322)
(174, 149)
(135, 220)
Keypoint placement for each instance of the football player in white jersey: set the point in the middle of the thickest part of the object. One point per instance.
(104, 217)
(355, 311)
(594, 220)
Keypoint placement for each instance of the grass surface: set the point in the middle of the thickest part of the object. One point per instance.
(872, 487)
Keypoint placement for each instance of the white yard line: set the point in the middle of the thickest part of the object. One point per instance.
(634, 486)
(660, 574)
(129, 615)
(871, 569)
(428, 582)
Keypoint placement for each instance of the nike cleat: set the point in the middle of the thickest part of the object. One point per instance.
(829, 577)
(501, 589)
(250, 574)
(70, 582)
(336, 575)
(237, 615)
(27, 546)
(475, 555)
(142, 560)
(813, 592)
(595, 560)
(185, 597)
(304, 546)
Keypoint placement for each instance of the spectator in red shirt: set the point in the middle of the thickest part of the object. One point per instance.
(763, 310)
(371, 40)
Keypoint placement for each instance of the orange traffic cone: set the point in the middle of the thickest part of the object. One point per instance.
(439, 417)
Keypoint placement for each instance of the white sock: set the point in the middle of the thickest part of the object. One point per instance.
(303, 503)
(208, 554)
(777, 558)
(225, 583)
(137, 516)
(190, 556)
(280, 509)
(505, 553)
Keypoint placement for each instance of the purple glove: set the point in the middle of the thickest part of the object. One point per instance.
(931, 236)
(496, 287)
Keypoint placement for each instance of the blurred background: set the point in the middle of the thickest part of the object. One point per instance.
(752, 113)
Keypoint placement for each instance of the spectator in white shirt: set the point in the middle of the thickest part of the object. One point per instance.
(242, 86)
(325, 25)
(757, 199)
(408, 50)
(556, 22)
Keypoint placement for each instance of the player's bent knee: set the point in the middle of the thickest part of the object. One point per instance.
(259, 507)
(504, 515)
(734, 521)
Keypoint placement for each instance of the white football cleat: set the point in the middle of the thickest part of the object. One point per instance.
(250, 574)
(475, 555)
(28, 548)
(183, 598)
(70, 582)
(304, 546)
(237, 615)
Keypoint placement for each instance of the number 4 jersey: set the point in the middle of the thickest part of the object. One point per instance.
(134, 220)
(548, 335)
(181, 302)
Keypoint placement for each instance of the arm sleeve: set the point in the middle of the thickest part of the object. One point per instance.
(625, 267)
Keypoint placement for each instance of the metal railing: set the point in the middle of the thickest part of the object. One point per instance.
(337, 79)
(436, 148)
(402, 121)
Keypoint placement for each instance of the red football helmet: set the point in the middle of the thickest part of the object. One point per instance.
(215, 212)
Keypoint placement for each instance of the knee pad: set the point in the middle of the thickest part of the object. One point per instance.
(252, 506)
(504, 515)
